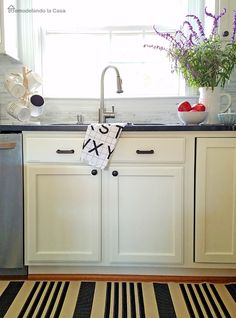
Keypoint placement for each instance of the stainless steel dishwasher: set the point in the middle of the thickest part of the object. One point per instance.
(11, 205)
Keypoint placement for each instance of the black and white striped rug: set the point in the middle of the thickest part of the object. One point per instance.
(116, 299)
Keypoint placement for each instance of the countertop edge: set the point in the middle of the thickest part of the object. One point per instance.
(142, 127)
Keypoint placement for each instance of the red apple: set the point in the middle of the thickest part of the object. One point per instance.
(199, 107)
(184, 106)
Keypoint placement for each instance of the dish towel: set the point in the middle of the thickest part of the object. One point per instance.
(99, 143)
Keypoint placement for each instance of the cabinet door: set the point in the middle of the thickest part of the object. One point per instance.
(1, 28)
(215, 214)
(146, 214)
(226, 22)
(63, 214)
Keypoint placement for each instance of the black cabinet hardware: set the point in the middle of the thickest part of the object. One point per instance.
(69, 151)
(145, 152)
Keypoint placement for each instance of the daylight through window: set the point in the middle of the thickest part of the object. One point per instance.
(76, 40)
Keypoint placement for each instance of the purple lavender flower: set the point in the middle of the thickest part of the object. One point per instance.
(188, 66)
(209, 14)
(191, 52)
(181, 38)
(166, 36)
(199, 23)
(160, 48)
(181, 34)
(216, 20)
(190, 40)
(190, 27)
(234, 28)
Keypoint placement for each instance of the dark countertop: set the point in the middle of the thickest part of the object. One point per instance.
(4, 128)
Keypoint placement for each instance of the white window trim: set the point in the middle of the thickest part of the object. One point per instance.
(2, 49)
(26, 46)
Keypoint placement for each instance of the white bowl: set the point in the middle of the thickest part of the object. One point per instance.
(192, 118)
(227, 118)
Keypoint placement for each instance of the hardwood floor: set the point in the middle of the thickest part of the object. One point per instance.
(142, 278)
(134, 278)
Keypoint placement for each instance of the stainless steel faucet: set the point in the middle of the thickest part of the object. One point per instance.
(103, 113)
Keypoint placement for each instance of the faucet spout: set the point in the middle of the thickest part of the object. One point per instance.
(103, 113)
(119, 84)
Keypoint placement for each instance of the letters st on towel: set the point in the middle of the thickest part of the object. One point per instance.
(96, 145)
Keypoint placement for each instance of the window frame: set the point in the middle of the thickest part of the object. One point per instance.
(30, 47)
(140, 30)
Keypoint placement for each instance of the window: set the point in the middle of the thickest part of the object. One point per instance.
(143, 73)
(71, 42)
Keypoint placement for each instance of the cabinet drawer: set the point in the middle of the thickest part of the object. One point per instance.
(52, 149)
(150, 150)
(68, 149)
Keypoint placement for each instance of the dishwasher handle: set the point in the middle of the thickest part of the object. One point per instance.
(7, 145)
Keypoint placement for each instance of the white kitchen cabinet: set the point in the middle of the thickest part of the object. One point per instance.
(144, 201)
(215, 201)
(226, 22)
(62, 204)
(165, 204)
(146, 214)
(140, 209)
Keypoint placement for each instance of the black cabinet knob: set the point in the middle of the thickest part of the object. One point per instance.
(225, 33)
(94, 172)
(115, 173)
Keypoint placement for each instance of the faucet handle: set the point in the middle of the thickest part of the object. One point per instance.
(79, 119)
(111, 113)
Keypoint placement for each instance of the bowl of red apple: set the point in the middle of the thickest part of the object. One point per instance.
(192, 114)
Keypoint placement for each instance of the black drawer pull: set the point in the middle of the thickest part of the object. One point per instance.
(115, 173)
(145, 152)
(69, 151)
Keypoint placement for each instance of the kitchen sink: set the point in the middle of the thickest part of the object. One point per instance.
(128, 124)
(66, 124)
(152, 124)
(146, 124)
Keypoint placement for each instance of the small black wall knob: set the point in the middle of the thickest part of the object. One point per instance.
(115, 173)
(225, 33)
(94, 172)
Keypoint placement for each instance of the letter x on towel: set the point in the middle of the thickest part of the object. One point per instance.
(99, 143)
